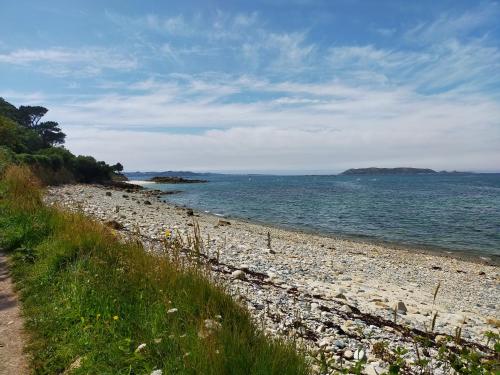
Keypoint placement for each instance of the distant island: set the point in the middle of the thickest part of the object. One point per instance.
(396, 171)
(174, 180)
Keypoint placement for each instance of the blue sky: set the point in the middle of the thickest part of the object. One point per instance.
(289, 86)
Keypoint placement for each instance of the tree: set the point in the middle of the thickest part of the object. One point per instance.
(118, 167)
(29, 116)
(50, 132)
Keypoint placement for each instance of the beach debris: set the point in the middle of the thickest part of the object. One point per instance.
(269, 240)
(172, 311)
(190, 212)
(117, 209)
(108, 194)
(140, 348)
(156, 372)
(238, 274)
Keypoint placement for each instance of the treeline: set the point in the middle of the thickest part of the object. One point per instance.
(26, 139)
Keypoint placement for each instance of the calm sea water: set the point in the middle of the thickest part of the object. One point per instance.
(453, 212)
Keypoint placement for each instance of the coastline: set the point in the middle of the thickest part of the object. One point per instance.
(475, 256)
(342, 289)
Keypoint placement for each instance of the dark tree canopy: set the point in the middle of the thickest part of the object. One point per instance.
(50, 132)
(118, 167)
(29, 116)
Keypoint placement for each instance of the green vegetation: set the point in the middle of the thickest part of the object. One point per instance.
(91, 300)
(25, 139)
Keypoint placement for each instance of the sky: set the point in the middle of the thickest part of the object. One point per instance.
(272, 86)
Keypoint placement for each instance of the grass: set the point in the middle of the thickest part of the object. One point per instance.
(90, 299)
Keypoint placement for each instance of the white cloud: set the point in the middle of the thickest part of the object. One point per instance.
(331, 126)
(65, 61)
(451, 26)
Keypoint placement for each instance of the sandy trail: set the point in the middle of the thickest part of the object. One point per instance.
(12, 358)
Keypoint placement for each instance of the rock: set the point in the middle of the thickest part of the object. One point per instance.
(113, 224)
(375, 369)
(340, 344)
(212, 325)
(359, 354)
(244, 267)
(340, 296)
(77, 363)
(325, 342)
(125, 196)
(148, 203)
(172, 311)
(402, 308)
(348, 354)
(222, 223)
(190, 212)
(108, 194)
(346, 309)
(117, 209)
(440, 339)
(140, 348)
(209, 326)
(238, 274)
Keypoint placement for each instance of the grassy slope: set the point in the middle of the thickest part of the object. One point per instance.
(86, 295)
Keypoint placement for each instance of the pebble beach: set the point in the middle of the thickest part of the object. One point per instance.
(336, 296)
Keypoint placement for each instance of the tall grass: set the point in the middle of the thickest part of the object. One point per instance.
(91, 300)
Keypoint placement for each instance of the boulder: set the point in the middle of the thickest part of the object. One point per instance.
(402, 308)
(238, 275)
(346, 309)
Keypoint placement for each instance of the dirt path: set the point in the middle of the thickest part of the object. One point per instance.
(12, 359)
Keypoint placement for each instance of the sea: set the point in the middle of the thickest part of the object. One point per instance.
(443, 212)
